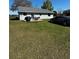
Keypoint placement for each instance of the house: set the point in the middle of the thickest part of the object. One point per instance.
(35, 14)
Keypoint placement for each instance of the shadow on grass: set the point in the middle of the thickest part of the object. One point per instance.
(59, 24)
(14, 18)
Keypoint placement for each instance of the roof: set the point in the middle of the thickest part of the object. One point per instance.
(33, 10)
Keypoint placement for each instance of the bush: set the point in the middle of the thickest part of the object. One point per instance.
(66, 12)
(13, 17)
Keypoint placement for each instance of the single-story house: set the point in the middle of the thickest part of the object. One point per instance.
(34, 13)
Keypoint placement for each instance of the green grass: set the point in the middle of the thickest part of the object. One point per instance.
(39, 40)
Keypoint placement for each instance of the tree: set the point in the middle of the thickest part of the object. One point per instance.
(47, 5)
(66, 12)
(55, 13)
(24, 3)
(59, 13)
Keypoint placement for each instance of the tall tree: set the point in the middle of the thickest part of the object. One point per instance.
(55, 13)
(24, 3)
(47, 5)
(66, 12)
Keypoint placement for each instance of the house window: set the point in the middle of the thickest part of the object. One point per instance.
(48, 14)
(24, 14)
(40, 14)
(32, 15)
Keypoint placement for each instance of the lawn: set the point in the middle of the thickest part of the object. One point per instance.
(38, 40)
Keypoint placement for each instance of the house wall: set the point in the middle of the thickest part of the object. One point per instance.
(22, 17)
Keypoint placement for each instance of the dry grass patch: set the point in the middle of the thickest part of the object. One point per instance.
(39, 40)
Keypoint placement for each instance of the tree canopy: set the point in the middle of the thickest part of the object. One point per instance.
(24, 3)
(55, 13)
(47, 5)
(66, 12)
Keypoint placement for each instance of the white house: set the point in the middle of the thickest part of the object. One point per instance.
(35, 14)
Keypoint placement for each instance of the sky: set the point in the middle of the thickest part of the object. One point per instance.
(59, 5)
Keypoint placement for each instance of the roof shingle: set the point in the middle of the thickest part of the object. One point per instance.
(33, 10)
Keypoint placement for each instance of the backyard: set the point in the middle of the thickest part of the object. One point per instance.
(38, 40)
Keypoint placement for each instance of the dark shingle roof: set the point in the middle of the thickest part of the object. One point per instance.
(33, 10)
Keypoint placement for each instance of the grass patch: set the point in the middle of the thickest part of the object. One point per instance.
(38, 40)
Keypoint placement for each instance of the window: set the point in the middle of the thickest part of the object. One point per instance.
(32, 15)
(24, 14)
(48, 14)
(40, 14)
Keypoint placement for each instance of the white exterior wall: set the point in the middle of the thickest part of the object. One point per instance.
(46, 17)
(22, 17)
